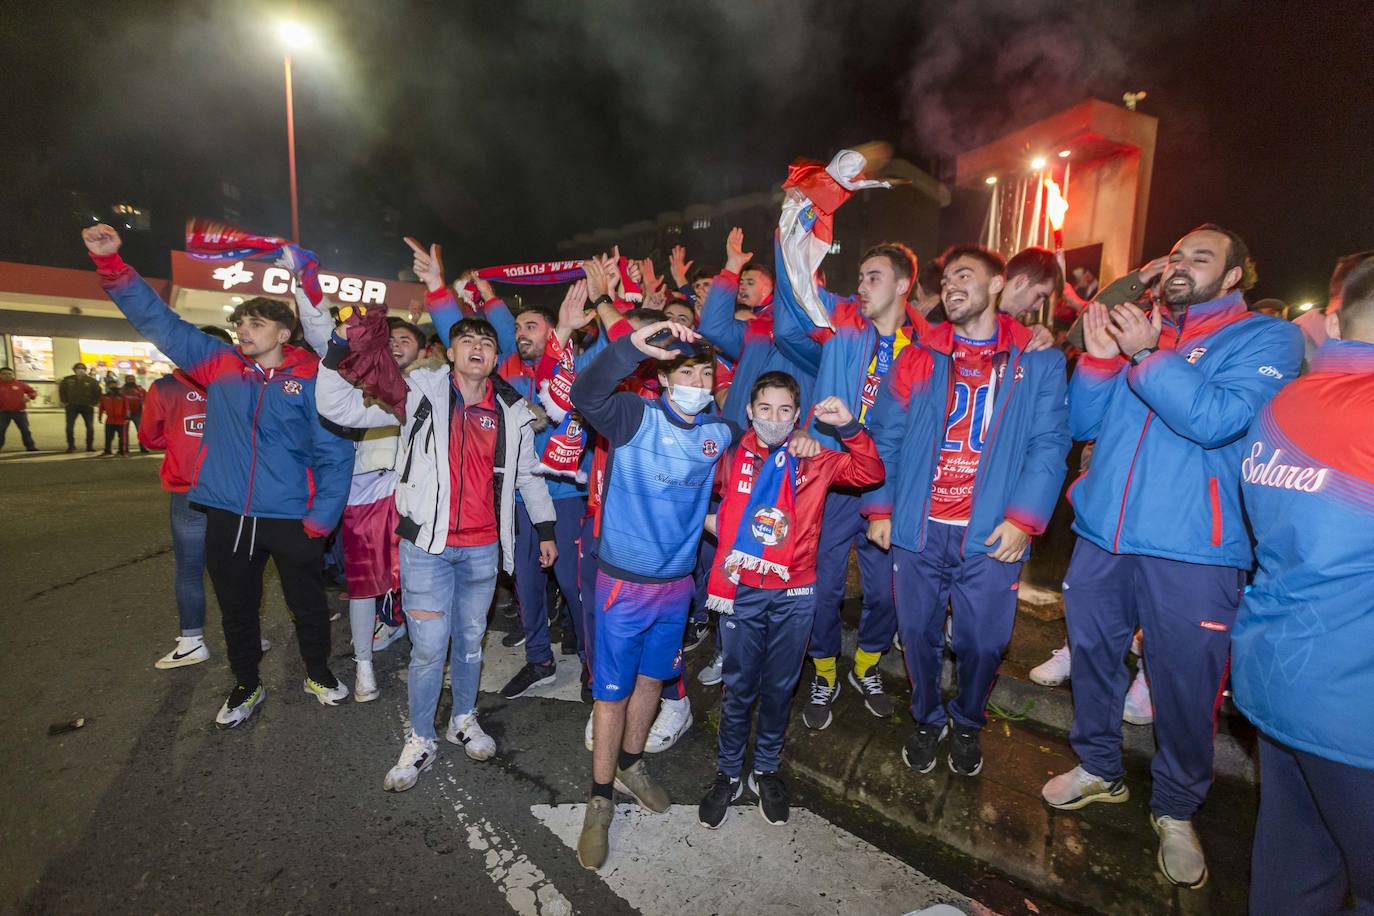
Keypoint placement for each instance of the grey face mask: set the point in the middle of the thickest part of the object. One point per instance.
(773, 432)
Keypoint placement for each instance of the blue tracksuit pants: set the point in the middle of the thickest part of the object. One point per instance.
(531, 579)
(1315, 835)
(1186, 611)
(843, 527)
(765, 642)
(981, 592)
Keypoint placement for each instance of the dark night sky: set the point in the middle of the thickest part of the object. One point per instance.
(499, 128)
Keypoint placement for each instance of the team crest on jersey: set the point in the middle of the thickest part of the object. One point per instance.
(769, 526)
(486, 422)
(1196, 354)
(291, 386)
(709, 448)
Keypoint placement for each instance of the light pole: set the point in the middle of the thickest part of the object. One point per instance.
(295, 36)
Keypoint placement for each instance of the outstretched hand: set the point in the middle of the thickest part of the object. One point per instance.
(101, 240)
(428, 265)
(679, 267)
(573, 314)
(1096, 332)
(735, 255)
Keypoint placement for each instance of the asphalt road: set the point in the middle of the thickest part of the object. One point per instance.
(148, 808)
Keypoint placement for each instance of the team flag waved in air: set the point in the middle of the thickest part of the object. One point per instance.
(210, 240)
(754, 533)
(806, 229)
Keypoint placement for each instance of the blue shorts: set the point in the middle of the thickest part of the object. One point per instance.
(639, 629)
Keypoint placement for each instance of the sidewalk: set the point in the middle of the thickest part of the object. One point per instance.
(1101, 858)
(49, 429)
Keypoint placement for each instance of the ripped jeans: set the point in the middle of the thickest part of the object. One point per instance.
(458, 584)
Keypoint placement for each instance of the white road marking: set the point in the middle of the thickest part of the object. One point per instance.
(669, 863)
(500, 664)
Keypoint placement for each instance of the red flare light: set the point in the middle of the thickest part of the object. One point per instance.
(1056, 205)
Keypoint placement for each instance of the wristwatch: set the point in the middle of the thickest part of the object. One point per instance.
(596, 303)
(1139, 355)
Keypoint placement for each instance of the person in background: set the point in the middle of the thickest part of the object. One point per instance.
(1274, 308)
(80, 394)
(1302, 650)
(134, 395)
(114, 413)
(926, 293)
(14, 402)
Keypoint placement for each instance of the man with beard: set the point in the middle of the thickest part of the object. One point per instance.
(1163, 543)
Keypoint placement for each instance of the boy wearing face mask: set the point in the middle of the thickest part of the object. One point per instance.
(657, 485)
(763, 578)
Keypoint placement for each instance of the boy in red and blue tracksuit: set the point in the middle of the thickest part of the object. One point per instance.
(1303, 645)
(1163, 545)
(974, 434)
(271, 479)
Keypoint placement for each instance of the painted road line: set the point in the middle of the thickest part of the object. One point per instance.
(809, 865)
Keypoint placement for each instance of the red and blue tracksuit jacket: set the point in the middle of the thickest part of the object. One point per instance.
(264, 452)
(1165, 474)
(1302, 650)
(750, 345)
(1021, 468)
(838, 359)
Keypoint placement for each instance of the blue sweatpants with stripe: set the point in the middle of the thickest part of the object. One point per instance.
(1185, 611)
(764, 642)
(981, 593)
(843, 527)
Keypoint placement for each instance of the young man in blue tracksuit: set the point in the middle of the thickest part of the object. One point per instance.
(1303, 646)
(1163, 544)
(871, 329)
(272, 480)
(973, 430)
(658, 483)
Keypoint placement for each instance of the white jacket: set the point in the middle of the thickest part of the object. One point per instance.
(422, 487)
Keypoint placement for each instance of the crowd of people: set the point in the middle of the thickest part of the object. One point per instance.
(677, 452)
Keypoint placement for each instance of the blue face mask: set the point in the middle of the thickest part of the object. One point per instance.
(688, 399)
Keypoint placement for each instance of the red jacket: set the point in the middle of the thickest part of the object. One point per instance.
(860, 466)
(174, 420)
(114, 409)
(15, 396)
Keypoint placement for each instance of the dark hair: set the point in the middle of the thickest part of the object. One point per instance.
(648, 316)
(396, 323)
(931, 277)
(1237, 255)
(547, 314)
(1357, 298)
(5, 369)
(776, 379)
(759, 266)
(699, 273)
(1037, 265)
(81, 365)
(217, 332)
(266, 309)
(702, 352)
(678, 301)
(478, 327)
(990, 259)
(1344, 265)
(902, 259)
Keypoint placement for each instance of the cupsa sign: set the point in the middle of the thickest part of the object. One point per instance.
(263, 278)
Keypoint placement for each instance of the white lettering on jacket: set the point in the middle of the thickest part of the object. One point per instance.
(1273, 473)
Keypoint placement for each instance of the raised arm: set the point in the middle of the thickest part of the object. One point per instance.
(338, 401)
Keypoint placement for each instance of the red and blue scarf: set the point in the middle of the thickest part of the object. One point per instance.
(210, 240)
(553, 376)
(549, 273)
(755, 520)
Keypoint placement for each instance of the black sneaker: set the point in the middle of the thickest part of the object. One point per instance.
(527, 678)
(965, 755)
(870, 687)
(697, 631)
(568, 644)
(514, 638)
(923, 747)
(817, 713)
(716, 804)
(772, 793)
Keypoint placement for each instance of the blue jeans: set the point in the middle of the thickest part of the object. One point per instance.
(458, 584)
(188, 549)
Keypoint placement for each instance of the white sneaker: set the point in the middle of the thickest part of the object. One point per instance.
(476, 743)
(1054, 670)
(1077, 788)
(383, 635)
(417, 756)
(713, 673)
(673, 719)
(328, 696)
(1139, 709)
(190, 650)
(588, 737)
(365, 683)
(239, 706)
(1180, 854)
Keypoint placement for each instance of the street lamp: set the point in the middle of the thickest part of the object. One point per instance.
(295, 37)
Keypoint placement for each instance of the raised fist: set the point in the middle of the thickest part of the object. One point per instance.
(101, 240)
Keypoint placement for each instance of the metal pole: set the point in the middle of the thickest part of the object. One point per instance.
(291, 154)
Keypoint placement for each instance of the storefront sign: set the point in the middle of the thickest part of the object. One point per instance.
(262, 278)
